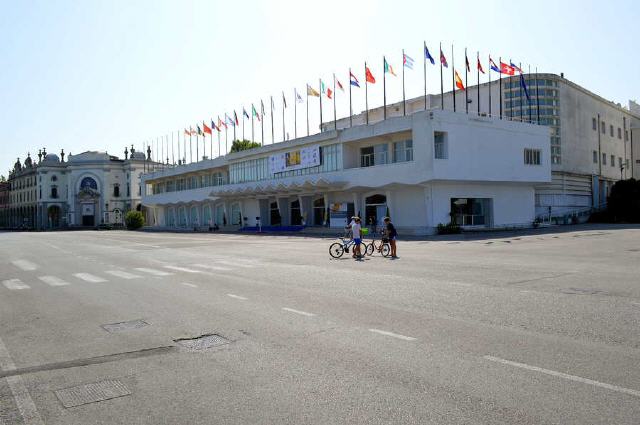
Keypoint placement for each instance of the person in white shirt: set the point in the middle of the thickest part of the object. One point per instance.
(356, 229)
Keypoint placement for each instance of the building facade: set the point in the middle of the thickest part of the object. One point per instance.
(87, 190)
(425, 169)
(4, 204)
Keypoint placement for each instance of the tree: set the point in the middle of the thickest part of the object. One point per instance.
(134, 220)
(624, 201)
(243, 145)
(2, 179)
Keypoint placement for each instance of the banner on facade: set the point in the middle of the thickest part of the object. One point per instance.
(295, 160)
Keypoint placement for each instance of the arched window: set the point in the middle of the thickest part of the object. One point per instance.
(54, 178)
(54, 192)
(88, 183)
(116, 190)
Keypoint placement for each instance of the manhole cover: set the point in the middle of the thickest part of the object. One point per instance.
(583, 291)
(92, 393)
(202, 342)
(125, 326)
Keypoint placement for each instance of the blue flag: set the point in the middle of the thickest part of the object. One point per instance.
(524, 86)
(427, 55)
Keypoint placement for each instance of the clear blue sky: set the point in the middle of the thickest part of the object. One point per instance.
(99, 75)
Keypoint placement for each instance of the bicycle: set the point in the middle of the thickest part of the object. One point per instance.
(383, 247)
(337, 249)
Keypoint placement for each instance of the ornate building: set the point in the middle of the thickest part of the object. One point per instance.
(88, 190)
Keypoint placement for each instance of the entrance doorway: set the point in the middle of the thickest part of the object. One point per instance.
(274, 216)
(318, 212)
(53, 214)
(375, 209)
(296, 216)
(88, 215)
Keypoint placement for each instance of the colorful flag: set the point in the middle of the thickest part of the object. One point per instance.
(254, 112)
(221, 123)
(312, 92)
(228, 120)
(523, 84)
(507, 69)
(407, 61)
(213, 125)
(493, 65)
(427, 55)
(466, 62)
(329, 93)
(443, 60)
(322, 89)
(284, 100)
(199, 132)
(515, 68)
(388, 68)
(205, 129)
(244, 113)
(235, 116)
(459, 81)
(187, 132)
(353, 80)
(339, 85)
(369, 76)
(480, 66)
(299, 98)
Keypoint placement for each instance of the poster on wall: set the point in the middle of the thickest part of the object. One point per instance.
(295, 160)
(338, 214)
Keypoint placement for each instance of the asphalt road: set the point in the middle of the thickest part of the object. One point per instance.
(535, 329)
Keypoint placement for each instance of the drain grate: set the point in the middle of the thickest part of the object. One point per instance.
(125, 326)
(92, 393)
(203, 342)
(583, 291)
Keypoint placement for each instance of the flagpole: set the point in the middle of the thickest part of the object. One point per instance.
(424, 56)
(284, 105)
(295, 113)
(190, 145)
(350, 104)
(162, 151)
(253, 108)
(529, 100)
(243, 123)
(262, 123)
(404, 101)
(173, 157)
(521, 79)
(500, 92)
(179, 158)
(219, 136)
(537, 97)
(384, 87)
(441, 81)
(211, 139)
(272, 132)
(489, 72)
(320, 79)
(478, 72)
(453, 78)
(197, 148)
(307, 109)
(366, 94)
(226, 132)
(235, 124)
(335, 116)
(466, 82)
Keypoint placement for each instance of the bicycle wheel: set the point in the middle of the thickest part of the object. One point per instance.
(370, 248)
(386, 250)
(336, 250)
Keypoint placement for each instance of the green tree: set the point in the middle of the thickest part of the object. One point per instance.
(2, 179)
(243, 145)
(134, 220)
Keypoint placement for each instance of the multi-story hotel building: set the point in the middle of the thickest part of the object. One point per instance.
(427, 168)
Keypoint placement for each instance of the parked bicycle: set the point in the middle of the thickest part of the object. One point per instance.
(381, 246)
(337, 249)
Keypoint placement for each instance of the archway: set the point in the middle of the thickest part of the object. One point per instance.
(375, 209)
(53, 217)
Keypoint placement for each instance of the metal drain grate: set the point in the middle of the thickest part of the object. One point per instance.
(125, 326)
(202, 342)
(92, 393)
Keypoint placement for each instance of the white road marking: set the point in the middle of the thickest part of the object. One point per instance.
(238, 297)
(153, 272)
(182, 269)
(211, 267)
(15, 284)
(303, 313)
(190, 285)
(88, 277)
(394, 335)
(25, 265)
(53, 281)
(23, 400)
(123, 274)
(232, 263)
(616, 388)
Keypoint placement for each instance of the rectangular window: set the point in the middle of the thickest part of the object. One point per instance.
(594, 124)
(603, 128)
(374, 155)
(403, 151)
(604, 158)
(613, 160)
(440, 148)
(626, 135)
(595, 157)
(611, 130)
(619, 133)
(532, 156)
(619, 162)
(472, 211)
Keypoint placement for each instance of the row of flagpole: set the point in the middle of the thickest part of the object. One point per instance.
(509, 69)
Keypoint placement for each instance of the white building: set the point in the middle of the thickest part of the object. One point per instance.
(422, 170)
(87, 190)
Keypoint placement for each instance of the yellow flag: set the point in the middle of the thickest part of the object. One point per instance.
(312, 92)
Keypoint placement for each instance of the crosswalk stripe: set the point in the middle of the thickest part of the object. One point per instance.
(212, 267)
(53, 281)
(182, 269)
(25, 265)
(122, 274)
(153, 271)
(15, 284)
(89, 277)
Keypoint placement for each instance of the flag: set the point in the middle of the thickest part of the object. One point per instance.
(205, 129)
(298, 97)
(480, 66)
(493, 65)
(407, 61)
(515, 68)
(284, 100)
(443, 60)
(235, 116)
(199, 132)
(459, 81)
(322, 89)
(329, 93)
(312, 92)
(369, 76)
(507, 69)
(244, 113)
(427, 55)
(339, 85)
(213, 125)
(388, 68)
(523, 84)
(254, 112)
(466, 62)
(353, 80)
(221, 123)
(187, 132)
(229, 121)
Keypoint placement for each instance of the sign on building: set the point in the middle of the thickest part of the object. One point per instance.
(295, 160)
